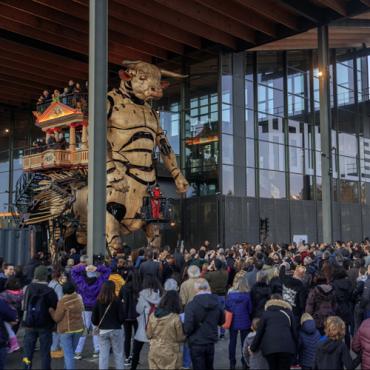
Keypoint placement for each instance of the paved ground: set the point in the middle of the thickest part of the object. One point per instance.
(14, 359)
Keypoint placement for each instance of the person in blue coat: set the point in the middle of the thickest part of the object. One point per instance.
(309, 338)
(7, 314)
(239, 302)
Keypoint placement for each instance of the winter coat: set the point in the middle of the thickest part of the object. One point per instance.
(203, 315)
(217, 281)
(57, 287)
(13, 298)
(276, 285)
(332, 355)
(68, 314)
(365, 299)
(166, 335)
(321, 303)
(240, 304)
(50, 298)
(129, 302)
(343, 293)
(7, 314)
(118, 281)
(89, 288)
(147, 299)
(113, 318)
(256, 360)
(276, 331)
(260, 294)
(361, 343)
(294, 293)
(150, 268)
(309, 338)
(187, 291)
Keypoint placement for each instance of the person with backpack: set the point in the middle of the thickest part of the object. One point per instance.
(37, 321)
(149, 298)
(321, 302)
(107, 316)
(7, 314)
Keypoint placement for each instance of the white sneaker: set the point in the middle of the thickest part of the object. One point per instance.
(78, 356)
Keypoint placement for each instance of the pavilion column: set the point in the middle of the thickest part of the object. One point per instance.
(72, 138)
(84, 138)
(325, 134)
(98, 84)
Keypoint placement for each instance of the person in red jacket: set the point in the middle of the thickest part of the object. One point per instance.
(361, 343)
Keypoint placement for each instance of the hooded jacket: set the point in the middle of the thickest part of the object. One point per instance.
(332, 355)
(277, 330)
(294, 292)
(68, 314)
(7, 314)
(260, 294)
(89, 288)
(202, 317)
(129, 302)
(147, 299)
(343, 293)
(309, 338)
(166, 335)
(361, 343)
(321, 303)
(240, 304)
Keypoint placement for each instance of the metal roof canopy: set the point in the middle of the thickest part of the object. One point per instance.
(44, 43)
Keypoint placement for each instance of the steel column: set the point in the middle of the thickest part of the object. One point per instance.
(98, 58)
(325, 134)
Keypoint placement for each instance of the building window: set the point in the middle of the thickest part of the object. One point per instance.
(272, 184)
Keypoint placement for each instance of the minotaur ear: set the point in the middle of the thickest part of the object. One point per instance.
(123, 75)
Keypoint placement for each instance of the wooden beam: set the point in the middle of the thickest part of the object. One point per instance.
(26, 51)
(66, 43)
(117, 11)
(168, 16)
(27, 13)
(271, 10)
(210, 17)
(44, 64)
(236, 12)
(338, 6)
(366, 2)
(304, 9)
(22, 82)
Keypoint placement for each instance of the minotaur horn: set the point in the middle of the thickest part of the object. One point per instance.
(127, 63)
(166, 73)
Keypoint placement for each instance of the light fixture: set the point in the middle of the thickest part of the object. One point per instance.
(7, 131)
(172, 223)
(319, 73)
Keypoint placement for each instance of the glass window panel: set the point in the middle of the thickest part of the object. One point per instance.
(348, 168)
(249, 98)
(228, 180)
(249, 122)
(226, 81)
(347, 144)
(4, 182)
(250, 153)
(271, 156)
(270, 69)
(270, 128)
(295, 133)
(365, 193)
(4, 161)
(270, 100)
(4, 199)
(227, 119)
(345, 82)
(296, 158)
(272, 184)
(227, 149)
(301, 187)
(365, 159)
(170, 122)
(251, 184)
(349, 191)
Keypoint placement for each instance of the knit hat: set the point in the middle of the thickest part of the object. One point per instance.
(306, 317)
(41, 273)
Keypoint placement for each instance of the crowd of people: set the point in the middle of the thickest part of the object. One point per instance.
(304, 306)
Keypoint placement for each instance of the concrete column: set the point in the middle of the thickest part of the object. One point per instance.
(72, 138)
(98, 71)
(325, 134)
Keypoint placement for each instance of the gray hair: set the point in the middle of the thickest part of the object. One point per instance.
(201, 284)
(193, 271)
(84, 258)
(262, 276)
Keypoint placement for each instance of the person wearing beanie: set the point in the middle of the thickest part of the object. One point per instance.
(308, 340)
(38, 323)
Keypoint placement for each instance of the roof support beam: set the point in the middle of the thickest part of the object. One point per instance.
(304, 9)
(174, 18)
(338, 6)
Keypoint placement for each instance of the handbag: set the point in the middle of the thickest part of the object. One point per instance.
(228, 319)
(97, 328)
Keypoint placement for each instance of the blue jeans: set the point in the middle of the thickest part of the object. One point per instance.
(232, 344)
(29, 342)
(221, 302)
(55, 345)
(3, 353)
(112, 339)
(186, 356)
(69, 343)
